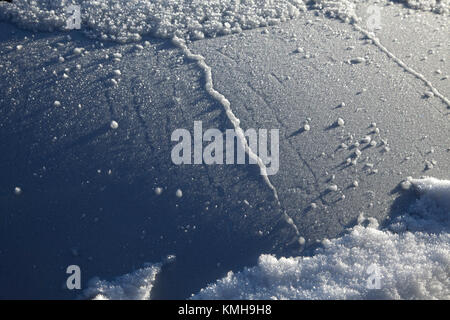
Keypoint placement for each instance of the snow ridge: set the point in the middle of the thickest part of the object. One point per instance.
(402, 64)
(180, 43)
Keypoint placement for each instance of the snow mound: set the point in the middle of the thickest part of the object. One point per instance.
(134, 286)
(437, 6)
(129, 20)
(410, 258)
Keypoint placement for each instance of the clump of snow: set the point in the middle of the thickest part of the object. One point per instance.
(411, 258)
(17, 191)
(78, 51)
(437, 6)
(357, 60)
(129, 20)
(332, 188)
(158, 191)
(179, 193)
(134, 286)
(114, 125)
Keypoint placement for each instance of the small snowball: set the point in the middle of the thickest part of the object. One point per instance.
(429, 94)
(158, 191)
(17, 191)
(340, 122)
(57, 103)
(78, 51)
(179, 193)
(406, 185)
(114, 125)
(301, 241)
(368, 165)
(357, 60)
(333, 187)
(306, 127)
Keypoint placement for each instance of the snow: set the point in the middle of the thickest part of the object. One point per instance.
(114, 125)
(135, 286)
(396, 234)
(333, 188)
(412, 256)
(125, 20)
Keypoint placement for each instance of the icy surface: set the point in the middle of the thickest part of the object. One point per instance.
(164, 82)
(411, 265)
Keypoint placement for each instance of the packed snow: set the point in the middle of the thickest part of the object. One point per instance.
(136, 286)
(411, 256)
(129, 20)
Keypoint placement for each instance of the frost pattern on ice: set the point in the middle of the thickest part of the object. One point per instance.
(134, 286)
(412, 256)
